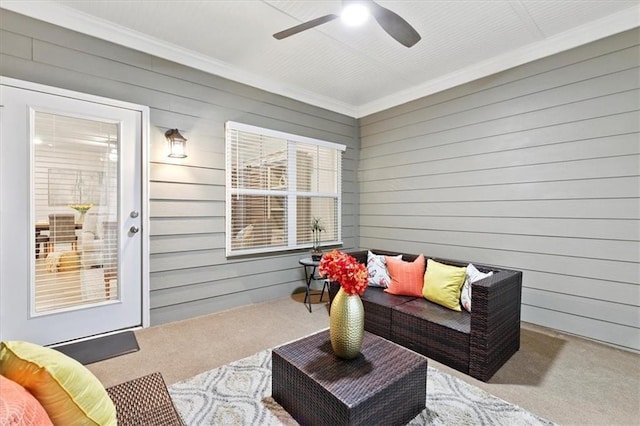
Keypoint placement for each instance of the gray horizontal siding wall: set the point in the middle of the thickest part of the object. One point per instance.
(536, 168)
(189, 272)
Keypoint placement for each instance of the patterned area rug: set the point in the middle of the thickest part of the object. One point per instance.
(240, 394)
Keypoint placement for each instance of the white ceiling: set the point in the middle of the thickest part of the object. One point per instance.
(355, 71)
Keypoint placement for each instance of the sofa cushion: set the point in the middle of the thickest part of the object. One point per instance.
(377, 268)
(442, 284)
(406, 277)
(377, 306)
(425, 310)
(473, 275)
(379, 296)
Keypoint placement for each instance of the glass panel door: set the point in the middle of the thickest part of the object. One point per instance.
(73, 247)
(75, 208)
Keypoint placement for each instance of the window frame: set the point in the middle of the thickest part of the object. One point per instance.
(290, 193)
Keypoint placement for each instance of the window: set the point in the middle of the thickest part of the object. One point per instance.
(277, 184)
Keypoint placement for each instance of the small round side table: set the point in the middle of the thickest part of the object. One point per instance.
(307, 263)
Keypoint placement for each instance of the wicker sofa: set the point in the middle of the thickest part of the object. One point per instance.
(476, 343)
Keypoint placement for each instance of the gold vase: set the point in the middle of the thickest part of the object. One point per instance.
(346, 324)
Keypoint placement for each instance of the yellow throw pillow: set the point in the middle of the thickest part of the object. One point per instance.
(66, 389)
(69, 261)
(442, 284)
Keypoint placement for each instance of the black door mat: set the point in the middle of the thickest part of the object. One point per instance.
(101, 348)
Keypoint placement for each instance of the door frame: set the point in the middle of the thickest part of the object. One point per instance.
(144, 167)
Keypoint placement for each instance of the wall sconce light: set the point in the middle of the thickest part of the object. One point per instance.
(177, 144)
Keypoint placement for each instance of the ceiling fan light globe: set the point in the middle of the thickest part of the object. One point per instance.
(354, 14)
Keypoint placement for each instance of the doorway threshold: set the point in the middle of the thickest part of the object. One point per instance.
(101, 348)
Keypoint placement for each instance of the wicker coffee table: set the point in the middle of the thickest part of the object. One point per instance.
(386, 383)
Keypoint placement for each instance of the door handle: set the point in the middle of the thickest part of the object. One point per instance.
(134, 229)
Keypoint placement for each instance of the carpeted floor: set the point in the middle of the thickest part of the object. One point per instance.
(559, 377)
(239, 393)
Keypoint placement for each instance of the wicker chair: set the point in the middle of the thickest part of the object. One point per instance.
(476, 343)
(144, 401)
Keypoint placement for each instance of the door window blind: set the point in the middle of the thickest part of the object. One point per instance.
(75, 183)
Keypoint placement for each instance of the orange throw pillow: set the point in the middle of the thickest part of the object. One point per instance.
(19, 407)
(407, 278)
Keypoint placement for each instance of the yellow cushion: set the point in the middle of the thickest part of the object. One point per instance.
(442, 284)
(66, 389)
(69, 261)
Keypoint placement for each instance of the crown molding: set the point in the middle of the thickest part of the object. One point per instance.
(73, 19)
(613, 24)
(57, 14)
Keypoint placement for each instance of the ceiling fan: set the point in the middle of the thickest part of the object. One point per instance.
(391, 22)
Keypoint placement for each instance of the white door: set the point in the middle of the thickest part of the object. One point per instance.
(71, 225)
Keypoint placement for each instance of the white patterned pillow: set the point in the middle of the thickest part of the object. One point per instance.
(377, 267)
(473, 275)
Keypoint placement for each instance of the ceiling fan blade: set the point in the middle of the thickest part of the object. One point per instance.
(394, 25)
(304, 26)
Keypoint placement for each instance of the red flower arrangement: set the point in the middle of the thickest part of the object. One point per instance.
(346, 270)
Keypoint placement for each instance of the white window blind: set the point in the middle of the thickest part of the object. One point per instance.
(277, 183)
